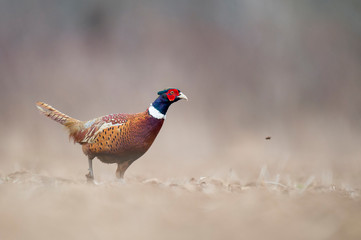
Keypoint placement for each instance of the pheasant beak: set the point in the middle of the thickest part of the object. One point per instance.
(182, 96)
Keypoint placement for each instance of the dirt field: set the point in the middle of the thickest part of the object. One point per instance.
(35, 206)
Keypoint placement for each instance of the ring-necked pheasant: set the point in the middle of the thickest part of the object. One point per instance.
(117, 138)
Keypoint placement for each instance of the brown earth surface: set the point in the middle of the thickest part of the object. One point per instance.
(39, 206)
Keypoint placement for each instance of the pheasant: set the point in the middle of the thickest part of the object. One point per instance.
(117, 138)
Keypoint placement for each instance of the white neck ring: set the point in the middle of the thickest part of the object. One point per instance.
(155, 113)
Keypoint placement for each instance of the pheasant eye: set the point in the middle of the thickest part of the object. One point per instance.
(171, 92)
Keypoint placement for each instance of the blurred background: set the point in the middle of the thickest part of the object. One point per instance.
(251, 69)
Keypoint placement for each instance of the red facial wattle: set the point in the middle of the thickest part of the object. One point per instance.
(172, 94)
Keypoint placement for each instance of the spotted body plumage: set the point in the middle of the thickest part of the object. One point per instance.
(117, 138)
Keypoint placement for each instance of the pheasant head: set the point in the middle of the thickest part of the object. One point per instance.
(167, 97)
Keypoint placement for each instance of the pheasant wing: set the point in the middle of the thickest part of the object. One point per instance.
(94, 127)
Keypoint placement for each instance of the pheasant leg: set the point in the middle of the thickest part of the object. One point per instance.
(121, 169)
(90, 175)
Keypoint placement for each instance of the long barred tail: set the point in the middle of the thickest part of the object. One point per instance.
(54, 114)
(72, 124)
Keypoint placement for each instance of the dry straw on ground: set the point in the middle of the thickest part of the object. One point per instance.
(39, 206)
